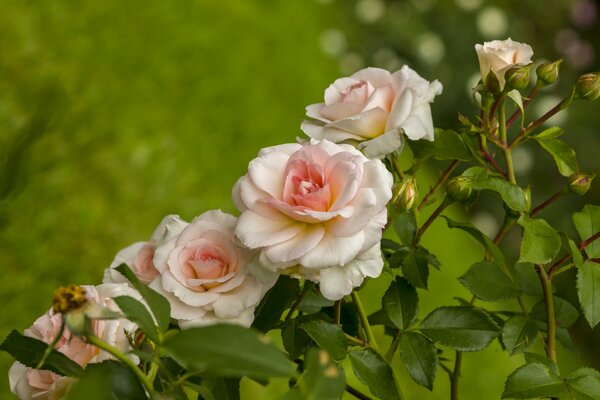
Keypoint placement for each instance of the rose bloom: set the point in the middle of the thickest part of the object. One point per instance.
(139, 256)
(498, 56)
(316, 210)
(29, 383)
(374, 108)
(207, 275)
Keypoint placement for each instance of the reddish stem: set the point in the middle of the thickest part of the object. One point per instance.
(547, 202)
(439, 183)
(582, 246)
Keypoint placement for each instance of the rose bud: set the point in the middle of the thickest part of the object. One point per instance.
(517, 77)
(580, 183)
(492, 84)
(460, 188)
(547, 73)
(588, 86)
(405, 194)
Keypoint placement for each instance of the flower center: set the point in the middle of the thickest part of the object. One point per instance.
(355, 93)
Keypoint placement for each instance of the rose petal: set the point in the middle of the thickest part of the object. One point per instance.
(297, 246)
(332, 251)
(368, 124)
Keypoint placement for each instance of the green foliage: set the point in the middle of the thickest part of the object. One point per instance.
(532, 381)
(511, 194)
(373, 371)
(227, 350)
(588, 289)
(462, 328)
(541, 243)
(321, 379)
(564, 156)
(587, 222)
(29, 352)
(584, 382)
(327, 336)
(138, 313)
(518, 333)
(400, 303)
(108, 380)
(420, 357)
(276, 301)
(480, 237)
(488, 282)
(447, 145)
(564, 312)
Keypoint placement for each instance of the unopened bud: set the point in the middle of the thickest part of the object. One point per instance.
(68, 298)
(517, 77)
(491, 82)
(460, 188)
(588, 86)
(404, 194)
(547, 72)
(580, 183)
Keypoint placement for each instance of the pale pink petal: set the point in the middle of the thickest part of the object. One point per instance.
(314, 111)
(403, 106)
(266, 173)
(234, 302)
(337, 111)
(332, 251)
(297, 246)
(376, 76)
(382, 97)
(364, 207)
(257, 231)
(384, 144)
(333, 94)
(368, 124)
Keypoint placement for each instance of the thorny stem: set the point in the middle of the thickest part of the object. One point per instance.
(551, 318)
(439, 183)
(548, 201)
(96, 341)
(507, 152)
(445, 203)
(582, 246)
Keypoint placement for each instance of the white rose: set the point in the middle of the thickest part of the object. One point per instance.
(315, 210)
(139, 256)
(207, 276)
(375, 108)
(29, 383)
(498, 56)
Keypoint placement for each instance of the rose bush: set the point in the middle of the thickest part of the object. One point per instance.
(374, 108)
(208, 276)
(140, 255)
(315, 210)
(498, 56)
(29, 383)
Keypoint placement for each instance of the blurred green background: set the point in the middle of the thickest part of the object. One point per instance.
(115, 113)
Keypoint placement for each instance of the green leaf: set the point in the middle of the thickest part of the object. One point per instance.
(538, 358)
(228, 350)
(138, 313)
(564, 312)
(515, 96)
(575, 253)
(585, 381)
(531, 381)
(480, 237)
(488, 282)
(276, 301)
(29, 352)
(159, 306)
(587, 222)
(222, 388)
(109, 380)
(448, 145)
(380, 317)
(529, 281)
(295, 340)
(541, 243)
(518, 333)
(461, 328)
(550, 133)
(415, 268)
(321, 379)
(564, 156)
(327, 336)
(313, 301)
(420, 357)
(400, 303)
(405, 226)
(588, 290)
(374, 372)
(511, 194)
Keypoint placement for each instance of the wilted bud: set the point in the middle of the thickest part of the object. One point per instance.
(588, 86)
(547, 72)
(68, 298)
(517, 77)
(460, 188)
(404, 194)
(580, 183)
(491, 83)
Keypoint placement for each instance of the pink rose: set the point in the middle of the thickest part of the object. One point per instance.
(498, 56)
(29, 383)
(139, 256)
(208, 276)
(374, 108)
(315, 210)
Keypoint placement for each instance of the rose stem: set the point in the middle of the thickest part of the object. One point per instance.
(445, 203)
(296, 302)
(337, 312)
(356, 393)
(549, 302)
(364, 321)
(455, 375)
(96, 341)
(439, 183)
(582, 246)
(507, 152)
(548, 201)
